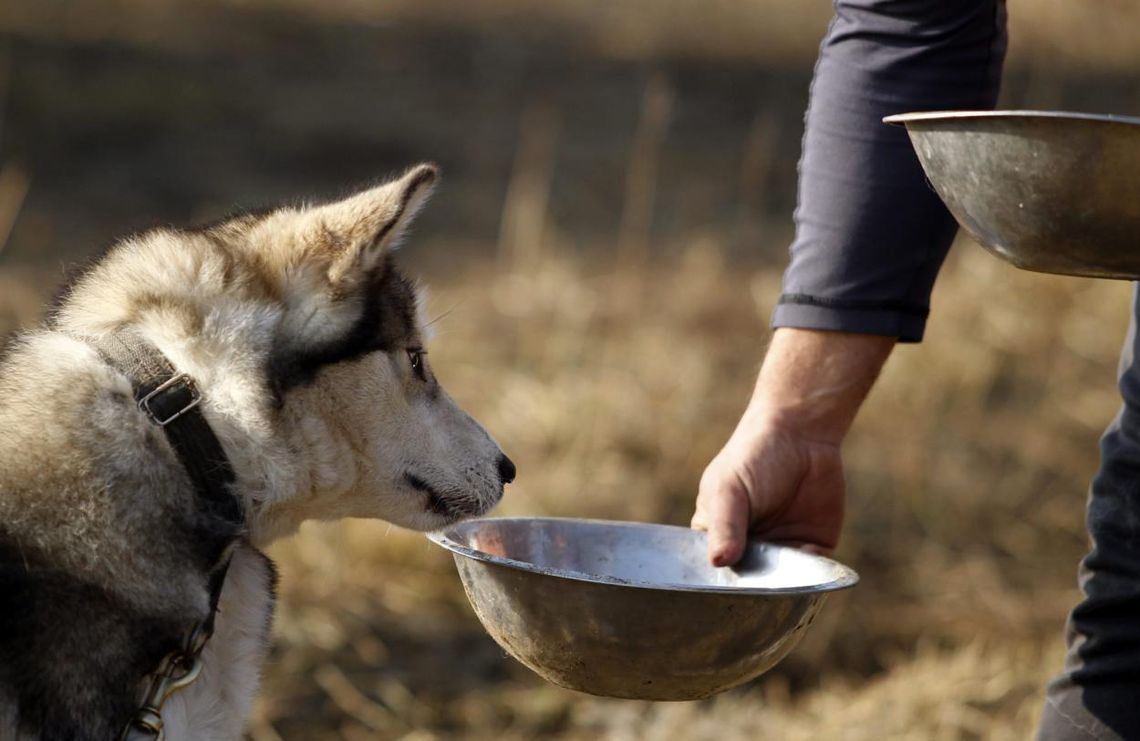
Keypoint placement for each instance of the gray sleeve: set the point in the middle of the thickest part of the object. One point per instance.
(870, 232)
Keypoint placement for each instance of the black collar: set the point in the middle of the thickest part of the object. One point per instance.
(171, 401)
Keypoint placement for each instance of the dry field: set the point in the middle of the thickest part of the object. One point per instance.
(612, 383)
(610, 338)
(612, 386)
(1049, 32)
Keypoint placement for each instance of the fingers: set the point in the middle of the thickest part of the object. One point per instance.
(807, 547)
(723, 511)
(779, 488)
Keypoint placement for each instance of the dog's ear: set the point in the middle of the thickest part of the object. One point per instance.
(362, 228)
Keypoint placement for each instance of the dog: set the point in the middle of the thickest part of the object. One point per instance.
(304, 344)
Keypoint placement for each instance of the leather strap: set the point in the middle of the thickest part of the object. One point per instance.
(171, 400)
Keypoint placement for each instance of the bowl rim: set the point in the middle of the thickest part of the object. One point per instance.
(902, 119)
(847, 577)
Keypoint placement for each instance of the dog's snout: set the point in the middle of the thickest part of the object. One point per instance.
(507, 469)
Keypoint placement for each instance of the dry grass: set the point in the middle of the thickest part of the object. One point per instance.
(976, 692)
(613, 381)
(612, 384)
(1043, 32)
(1052, 34)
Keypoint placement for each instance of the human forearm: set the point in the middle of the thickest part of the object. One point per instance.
(780, 475)
(870, 237)
(812, 382)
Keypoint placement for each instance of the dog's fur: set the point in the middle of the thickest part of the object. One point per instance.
(305, 340)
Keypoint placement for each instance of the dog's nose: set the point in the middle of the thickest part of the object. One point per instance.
(507, 469)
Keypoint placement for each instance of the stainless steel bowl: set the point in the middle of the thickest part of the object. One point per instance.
(1046, 191)
(633, 610)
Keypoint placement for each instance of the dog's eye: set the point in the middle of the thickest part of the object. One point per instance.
(416, 360)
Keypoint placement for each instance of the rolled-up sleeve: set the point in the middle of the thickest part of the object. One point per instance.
(870, 232)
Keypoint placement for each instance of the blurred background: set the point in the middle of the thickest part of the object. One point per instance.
(604, 252)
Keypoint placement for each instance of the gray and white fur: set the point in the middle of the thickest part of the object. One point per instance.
(307, 344)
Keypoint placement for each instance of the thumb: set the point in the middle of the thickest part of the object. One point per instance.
(727, 521)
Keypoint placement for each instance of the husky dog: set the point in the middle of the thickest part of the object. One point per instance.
(306, 345)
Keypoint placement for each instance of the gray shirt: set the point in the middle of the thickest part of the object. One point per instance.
(870, 232)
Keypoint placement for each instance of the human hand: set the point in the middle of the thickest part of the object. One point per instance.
(780, 475)
(773, 484)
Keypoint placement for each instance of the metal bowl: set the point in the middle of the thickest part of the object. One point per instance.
(1046, 191)
(633, 610)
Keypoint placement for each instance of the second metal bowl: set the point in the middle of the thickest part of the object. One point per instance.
(1047, 191)
(634, 610)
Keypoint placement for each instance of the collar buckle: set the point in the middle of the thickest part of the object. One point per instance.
(171, 400)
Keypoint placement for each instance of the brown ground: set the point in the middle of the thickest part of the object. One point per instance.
(605, 326)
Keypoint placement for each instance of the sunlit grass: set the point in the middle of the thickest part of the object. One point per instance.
(612, 384)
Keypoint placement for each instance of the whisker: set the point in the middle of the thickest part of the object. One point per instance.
(444, 315)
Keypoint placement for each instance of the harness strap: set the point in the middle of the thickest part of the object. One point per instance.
(171, 400)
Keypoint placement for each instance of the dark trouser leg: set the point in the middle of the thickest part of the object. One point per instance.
(1098, 694)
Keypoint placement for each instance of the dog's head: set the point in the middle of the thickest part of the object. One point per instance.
(350, 369)
(311, 345)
